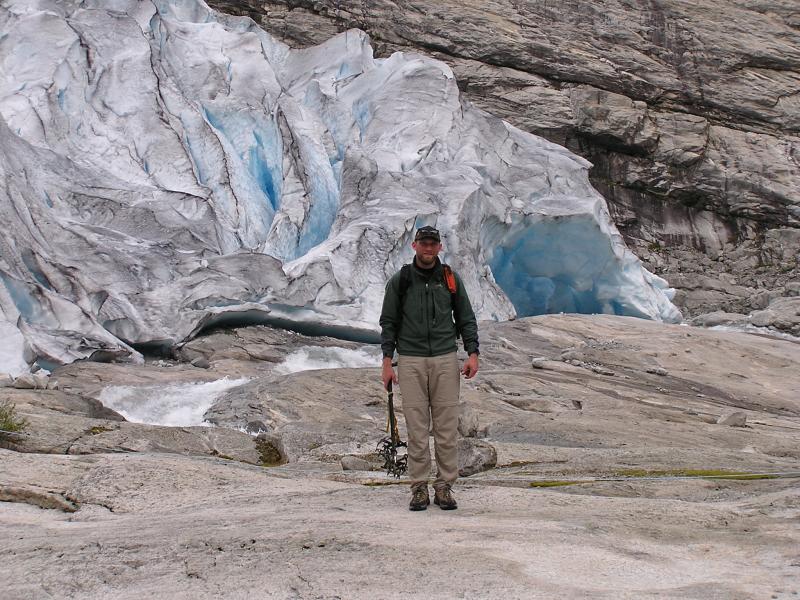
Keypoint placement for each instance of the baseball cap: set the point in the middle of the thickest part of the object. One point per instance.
(427, 232)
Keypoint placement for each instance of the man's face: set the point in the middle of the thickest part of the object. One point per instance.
(427, 250)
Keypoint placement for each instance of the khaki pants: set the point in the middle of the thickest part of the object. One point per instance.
(429, 387)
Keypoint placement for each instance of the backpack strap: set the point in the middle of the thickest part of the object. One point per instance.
(450, 282)
(405, 283)
(449, 278)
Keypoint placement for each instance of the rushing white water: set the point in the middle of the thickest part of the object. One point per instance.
(748, 328)
(177, 405)
(332, 357)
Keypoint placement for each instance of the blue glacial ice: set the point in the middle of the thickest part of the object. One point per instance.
(565, 266)
(169, 168)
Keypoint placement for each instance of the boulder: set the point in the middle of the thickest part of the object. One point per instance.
(355, 463)
(201, 362)
(256, 427)
(475, 456)
(718, 317)
(782, 314)
(6, 380)
(661, 371)
(42, 380)
(26, 381)
(734, 419)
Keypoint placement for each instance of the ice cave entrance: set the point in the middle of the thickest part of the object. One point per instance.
(562, 264)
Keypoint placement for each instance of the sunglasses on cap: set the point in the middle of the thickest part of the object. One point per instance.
(427, 232)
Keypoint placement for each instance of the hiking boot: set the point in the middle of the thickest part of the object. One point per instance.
(443, 498)
(419, 498)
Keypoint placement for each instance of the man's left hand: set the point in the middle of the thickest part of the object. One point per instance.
(470, 367)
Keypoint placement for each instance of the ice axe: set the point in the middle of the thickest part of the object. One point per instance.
(394, 463)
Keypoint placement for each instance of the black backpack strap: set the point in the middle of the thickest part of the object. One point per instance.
(405, 283)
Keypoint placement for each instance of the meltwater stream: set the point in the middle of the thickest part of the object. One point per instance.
(185, 404)
(176, 405)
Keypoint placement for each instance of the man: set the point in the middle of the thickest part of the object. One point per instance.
(425, 308)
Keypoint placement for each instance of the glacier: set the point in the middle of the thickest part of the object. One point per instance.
(167, 168)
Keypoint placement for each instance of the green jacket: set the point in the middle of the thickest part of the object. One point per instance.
(425, 324)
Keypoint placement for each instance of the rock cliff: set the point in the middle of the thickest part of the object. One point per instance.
(690, 113)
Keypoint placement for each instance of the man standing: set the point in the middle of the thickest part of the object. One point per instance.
(425, 308)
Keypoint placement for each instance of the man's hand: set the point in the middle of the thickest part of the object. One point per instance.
(388, 372)
(470, 367)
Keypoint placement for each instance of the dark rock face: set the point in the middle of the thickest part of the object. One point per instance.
(690, 112)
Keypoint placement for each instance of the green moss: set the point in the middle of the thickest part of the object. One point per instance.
(706, 472)
(268, 454)
(9, 421)
(745, 476)
(552, 483)
(700, 473)
(99, 429)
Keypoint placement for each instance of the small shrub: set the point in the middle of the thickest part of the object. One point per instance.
(98, 429)
(268, 453)
(8, 418)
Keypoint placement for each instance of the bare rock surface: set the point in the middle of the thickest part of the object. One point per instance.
(719, 317)
(782, 313)
(688, 111)
(605, 473)
(180, 527)
(64, 423)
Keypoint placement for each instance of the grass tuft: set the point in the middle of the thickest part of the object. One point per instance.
(9, 421)
(745, 476)
(552, 483)
(700, 473)
(98, 429)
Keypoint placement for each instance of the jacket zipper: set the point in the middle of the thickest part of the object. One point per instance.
(427, 300)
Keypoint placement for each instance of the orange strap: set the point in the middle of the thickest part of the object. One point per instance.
(450, 279)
